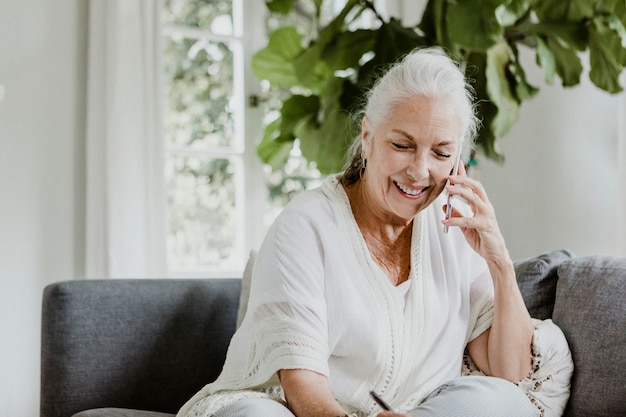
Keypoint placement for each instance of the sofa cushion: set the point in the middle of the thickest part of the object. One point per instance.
(537, 277)
(133, 343)
(590, 308)
(120, 412)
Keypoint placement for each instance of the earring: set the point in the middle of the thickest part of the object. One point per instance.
(363, 165)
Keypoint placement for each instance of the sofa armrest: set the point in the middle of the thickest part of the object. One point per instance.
(590, 308)
(140, 344)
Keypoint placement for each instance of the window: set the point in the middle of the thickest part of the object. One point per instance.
(220, 199)
(209, 177)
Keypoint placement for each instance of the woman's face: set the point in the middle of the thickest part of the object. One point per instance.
(409, 157)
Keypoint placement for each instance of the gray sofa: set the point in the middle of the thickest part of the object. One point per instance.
(116, 347)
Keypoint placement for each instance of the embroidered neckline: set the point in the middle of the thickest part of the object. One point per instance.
(402, 333)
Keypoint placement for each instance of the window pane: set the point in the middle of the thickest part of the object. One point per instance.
(203, 224)
(199, 76)
(213, 15)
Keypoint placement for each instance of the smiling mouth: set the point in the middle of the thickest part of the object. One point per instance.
(411, 191)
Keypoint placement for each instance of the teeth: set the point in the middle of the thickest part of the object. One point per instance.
(408, 191)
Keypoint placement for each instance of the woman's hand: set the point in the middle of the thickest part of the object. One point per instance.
(481, 231)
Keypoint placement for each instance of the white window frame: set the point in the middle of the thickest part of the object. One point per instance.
(251, 196)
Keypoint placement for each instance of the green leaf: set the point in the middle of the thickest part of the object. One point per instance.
(326, 144)
(564, 10)
(509, 12)
(546, 60)
(325, 135)
(352, 96)
(433, 22)
(472, 25)
(275, 146)
(348, 48)
(310, 68)
(274, 63)
(486, 139)
(499, 90)
(296, 108)
(523, 90)
(392, 42)
(279, 135)
(330, 97)
(280, 6)
(572, 34)
(614, 23)
(616, 7)
(606, 52)
(568, 64)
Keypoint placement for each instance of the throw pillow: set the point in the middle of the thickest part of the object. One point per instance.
(590, 308)
(537, 279)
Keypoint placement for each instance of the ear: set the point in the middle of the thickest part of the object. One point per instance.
(366, 135)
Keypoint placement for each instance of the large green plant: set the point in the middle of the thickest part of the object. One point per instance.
(324, 75)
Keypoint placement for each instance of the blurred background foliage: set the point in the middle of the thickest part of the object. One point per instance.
(323, 69)
(199, 118)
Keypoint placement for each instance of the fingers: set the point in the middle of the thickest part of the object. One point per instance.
(458, 219)
(473, 192)
(466, 183)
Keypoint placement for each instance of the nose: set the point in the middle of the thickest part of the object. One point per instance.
(418, 169)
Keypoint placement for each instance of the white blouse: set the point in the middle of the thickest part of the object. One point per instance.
(319, 301)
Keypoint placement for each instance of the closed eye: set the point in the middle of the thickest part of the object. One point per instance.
(400, 146)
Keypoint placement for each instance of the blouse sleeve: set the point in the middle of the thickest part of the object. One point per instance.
(284, 326)
(287, 307)
(481, 299)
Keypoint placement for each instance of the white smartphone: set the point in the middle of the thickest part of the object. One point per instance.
(455, 171)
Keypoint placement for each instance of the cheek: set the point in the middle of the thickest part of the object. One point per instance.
(440, 176)
(441, 171)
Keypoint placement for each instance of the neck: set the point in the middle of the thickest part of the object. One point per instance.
(374, 221)
(388, 240)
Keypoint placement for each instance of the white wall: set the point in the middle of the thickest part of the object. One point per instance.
(557, 188)
(42, 54)
(561, 185)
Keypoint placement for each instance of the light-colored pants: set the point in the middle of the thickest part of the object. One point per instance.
(467, 396)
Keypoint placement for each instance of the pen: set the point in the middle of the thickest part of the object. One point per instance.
(380, 402)
(455, 171)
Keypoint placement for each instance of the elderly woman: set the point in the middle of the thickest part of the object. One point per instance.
(357, 287)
